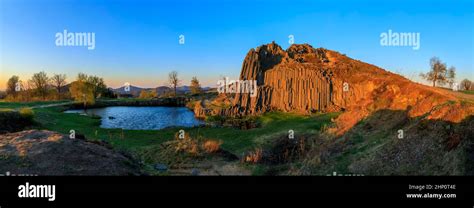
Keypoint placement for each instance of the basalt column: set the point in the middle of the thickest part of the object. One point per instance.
(292, 80)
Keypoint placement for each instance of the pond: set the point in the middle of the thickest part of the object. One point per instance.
(142, 118)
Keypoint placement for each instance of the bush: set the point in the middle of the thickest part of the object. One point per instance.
(186, 144)
(211, 146)
(281, 150)
(147, 94)
(184, 151)
(254, 156)
(13, 121)
(27, 113)
(215, 119)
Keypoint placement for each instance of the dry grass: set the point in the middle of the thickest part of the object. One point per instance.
(211, 146)
(254, 156)
(196, 147)
(186, 144)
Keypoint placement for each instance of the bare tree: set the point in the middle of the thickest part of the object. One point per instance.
(40, 82)
(466, 84)
(82, 77)
(451, 77)
(439, 73)
(28, 86)
(58, 80)
(173, 80)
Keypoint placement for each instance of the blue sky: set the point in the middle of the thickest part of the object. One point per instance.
(137, 41)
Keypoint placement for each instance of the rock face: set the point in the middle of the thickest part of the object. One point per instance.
(299, 79)
(199, 111)
(304, 79)
(291, 80)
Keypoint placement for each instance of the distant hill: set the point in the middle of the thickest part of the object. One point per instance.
(135, 91)
(162, 90)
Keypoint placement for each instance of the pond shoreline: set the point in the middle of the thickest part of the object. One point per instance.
(165, 102)
(141, 117)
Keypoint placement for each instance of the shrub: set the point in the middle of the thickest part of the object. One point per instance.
(27, 113)
(13, 121)
(147, 94)
(254, 157)
(211, 146)
(215, 119)
(186, 144)
(195, 147)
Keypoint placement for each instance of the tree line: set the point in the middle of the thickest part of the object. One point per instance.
(85, 89)
(41, 87)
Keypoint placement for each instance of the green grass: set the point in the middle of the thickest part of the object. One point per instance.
(235, 140)
(470, 92)
(135, 141)
(4, 104)
(363, 145)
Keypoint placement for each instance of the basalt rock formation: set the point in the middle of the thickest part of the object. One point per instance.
(291, 80)
(304, 79)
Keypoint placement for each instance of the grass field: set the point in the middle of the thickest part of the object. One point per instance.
(234, 140)
(15, 105)
(470, 92)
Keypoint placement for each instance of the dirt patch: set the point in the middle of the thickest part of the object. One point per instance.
(42, 152)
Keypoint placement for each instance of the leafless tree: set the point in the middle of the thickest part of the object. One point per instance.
(58, 80)
(439, 73)
(466, 84)
(40, 82)
(173, 80)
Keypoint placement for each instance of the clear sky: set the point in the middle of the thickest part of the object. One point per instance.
(138, 41)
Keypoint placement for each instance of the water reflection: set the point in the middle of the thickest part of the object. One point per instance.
(128, 117)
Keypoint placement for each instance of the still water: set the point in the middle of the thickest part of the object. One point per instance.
(144, 118)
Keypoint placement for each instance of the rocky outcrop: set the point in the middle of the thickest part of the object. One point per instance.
(304, 79)
(291, 80)
(199, 110)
